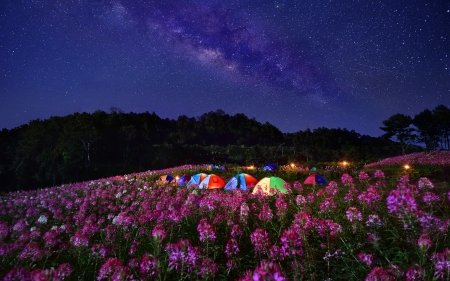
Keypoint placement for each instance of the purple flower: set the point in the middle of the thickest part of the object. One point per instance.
(363, 176)
(441, 263)
(425, 184)
(232, 248)
(148, 267)
(266, 213)
(430, 198)
(158, 233)
(353, 214)
(206, 231)
(379, 274)
(366, 258)
(208, 268)
(268, 271)
(260, 239)
(415, 272)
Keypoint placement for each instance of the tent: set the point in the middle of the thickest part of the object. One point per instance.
(244, 180)
(196, 179)
(183, 179)
(212, 182)
(270, 167)
(166, 178)
(268, 183)
(315, 179)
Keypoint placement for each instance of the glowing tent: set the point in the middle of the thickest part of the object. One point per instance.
(315, 179)
(268, 183)
(166, 178)
(243, 180)
(196, 179)
(183, 179)
(270, 167)
(212, 182)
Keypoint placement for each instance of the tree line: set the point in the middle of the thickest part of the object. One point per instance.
(429, 127)
(85, 146)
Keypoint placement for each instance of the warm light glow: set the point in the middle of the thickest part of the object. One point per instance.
(177, 178)
(250, 167)
(345, 163)
(406, 166)
(292, 165)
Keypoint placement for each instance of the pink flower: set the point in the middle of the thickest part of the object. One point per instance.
(31, 251)
(206, 231)
(113, 269)
(353, 214)
(268, 271)
(148, 267)
(100, 250)
(401, 202)
(236, 231)
(424, 242)
(298, 186)
(208, 268)
(347, 180)
(79, 239)
(327, 205)
(4, 230)
(363, 176)
(366, 258)
(291, 241)
(64, 270)
(441, 263)
(378, 174)
(429, 198)
(183, 256)
(232, 248)
(266, 213)
(379, 274)
(281, 207)
(373, 221)
(158, 233)
(300, 200)
(415, 272)
(425, 184)
(260, 239)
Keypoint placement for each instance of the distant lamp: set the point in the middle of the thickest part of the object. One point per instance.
(292, 165)
(250, 167)
(177, 178)
(345, 163)
(407, 167)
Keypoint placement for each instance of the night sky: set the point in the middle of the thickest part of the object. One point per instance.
(296, 64)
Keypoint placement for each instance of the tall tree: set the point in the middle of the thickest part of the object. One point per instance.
(399, 126)
(427, 128)
(442, 115)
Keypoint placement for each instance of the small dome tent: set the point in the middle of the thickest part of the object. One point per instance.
(212, 182)
(315, 179)
(270, 167)
(196, 179)
(266, 184)
(166, 178)
(242, 181)
(183, 179)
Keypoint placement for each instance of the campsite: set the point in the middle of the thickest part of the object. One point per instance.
(378, 222)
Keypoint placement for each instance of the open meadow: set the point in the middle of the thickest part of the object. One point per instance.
(377, 222)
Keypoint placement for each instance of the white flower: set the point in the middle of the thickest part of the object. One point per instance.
(118, 195)
(33, 228)
(42, 219)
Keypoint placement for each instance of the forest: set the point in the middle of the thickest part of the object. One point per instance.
(85, 146)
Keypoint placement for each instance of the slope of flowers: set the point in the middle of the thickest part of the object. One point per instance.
(133, 229)
(426, 158)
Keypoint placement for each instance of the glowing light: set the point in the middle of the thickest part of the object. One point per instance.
(292, 165)
(345, 163)
(406, 167)
(251, 167)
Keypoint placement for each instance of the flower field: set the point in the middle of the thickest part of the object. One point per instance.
(361, 227)
(423, 158)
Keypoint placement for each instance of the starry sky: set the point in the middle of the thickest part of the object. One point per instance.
(296, 64)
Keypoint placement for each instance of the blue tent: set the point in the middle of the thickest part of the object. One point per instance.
(196, 179)
(182, 180)
(270, 167)
(244, 180)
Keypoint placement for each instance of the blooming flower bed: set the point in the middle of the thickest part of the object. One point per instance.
(129, 228)
(425, 158)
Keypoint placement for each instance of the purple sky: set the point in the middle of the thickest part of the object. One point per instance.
(295, 64)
